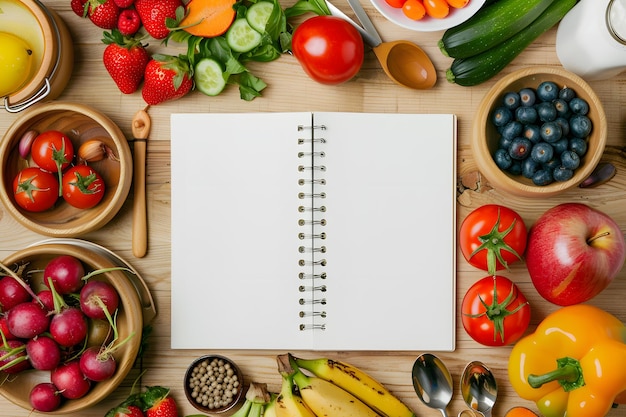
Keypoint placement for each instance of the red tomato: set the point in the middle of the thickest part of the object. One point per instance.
(495, 312)
(396, 4)
(35, 189)
(52, 150)
(492, 237)
(329, 49)
(82, 187)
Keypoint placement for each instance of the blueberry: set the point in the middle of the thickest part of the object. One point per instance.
(546, 111)
(564, 123)
(527, 96)
(502, 159)
(526, 114)
(501, 116)
(567, 93)
(552, 164)
(512, 129)
(529, 167)
(579, 106)
(505, 142)
(520, 148)
(547, 91)
(562, 174)
(562, 108)
(578, 145)
(532, 133)
(580, 126)
(542, 152)
(560, 145)
(512, 100)
(551, 131)
(570, 160)
(543, 177)
(515, 168)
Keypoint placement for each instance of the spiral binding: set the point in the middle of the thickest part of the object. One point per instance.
(312, 167)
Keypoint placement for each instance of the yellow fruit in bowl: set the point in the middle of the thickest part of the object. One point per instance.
(16, 60)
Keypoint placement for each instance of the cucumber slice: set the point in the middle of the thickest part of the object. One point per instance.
(258, 14)
(241, 37)
(209, 77)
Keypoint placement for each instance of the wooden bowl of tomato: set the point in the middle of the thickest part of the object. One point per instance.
(66, 169)
(538, 132)
(66, 358)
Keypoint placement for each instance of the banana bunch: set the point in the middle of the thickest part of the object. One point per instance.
(335, 389)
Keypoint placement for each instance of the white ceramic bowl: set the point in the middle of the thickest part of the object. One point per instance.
(428, 24)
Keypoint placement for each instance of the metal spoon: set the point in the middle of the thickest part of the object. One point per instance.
(404, 62)
(432, 382)
(479, 388)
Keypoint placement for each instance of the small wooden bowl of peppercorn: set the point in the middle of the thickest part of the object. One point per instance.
(519, 113)
(213, 384)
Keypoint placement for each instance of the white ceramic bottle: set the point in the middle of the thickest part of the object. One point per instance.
(591, 39)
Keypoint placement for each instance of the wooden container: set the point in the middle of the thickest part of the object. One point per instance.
(56, 59)
(485, 137)
(80, 123)
(129, 319)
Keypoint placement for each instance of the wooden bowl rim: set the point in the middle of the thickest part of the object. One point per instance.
(507, 183)
(132, 310)
(106, 213)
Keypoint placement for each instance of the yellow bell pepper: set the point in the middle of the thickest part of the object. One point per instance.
(573, 365)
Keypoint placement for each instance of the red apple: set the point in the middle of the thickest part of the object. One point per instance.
(573, 253)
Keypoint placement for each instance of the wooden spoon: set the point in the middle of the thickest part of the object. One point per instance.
(141, 130)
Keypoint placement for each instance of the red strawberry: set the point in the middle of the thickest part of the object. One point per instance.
(159, 403)
(78, 6)
(103, 13)
(166, 78)
(154, 13)
(122, 4)
(129, 22)
(129, 411)
(125, 59)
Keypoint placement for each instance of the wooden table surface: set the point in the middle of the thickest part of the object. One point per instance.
(290, 90)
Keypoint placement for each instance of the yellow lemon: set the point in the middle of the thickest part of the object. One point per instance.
(16, 60)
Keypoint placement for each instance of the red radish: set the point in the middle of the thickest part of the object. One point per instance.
(43, 353)
(12, 293)
(27, 320)
(45, 397)
(46, 298)
(66, 273)
(100, 332)
(4, 329)
(13, 357)
(70, 381)
(97, 363)
(96, 296)
(68, 327)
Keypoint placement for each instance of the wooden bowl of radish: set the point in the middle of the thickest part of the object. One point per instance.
(66, 169)
(46, 367)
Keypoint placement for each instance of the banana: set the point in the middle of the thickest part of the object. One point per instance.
(323, 397)
(288, 404)
(359, 384)
(270, 408)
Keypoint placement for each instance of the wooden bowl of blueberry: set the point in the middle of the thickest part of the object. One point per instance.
(538, 131)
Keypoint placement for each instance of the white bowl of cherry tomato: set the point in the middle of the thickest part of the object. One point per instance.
(539, 131)
(427, 15)
(66, 169)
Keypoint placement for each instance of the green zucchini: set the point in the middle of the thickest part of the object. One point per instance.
(490, 26)
(481, 67)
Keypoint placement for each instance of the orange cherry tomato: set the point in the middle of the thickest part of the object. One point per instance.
(414, 9)
(396, 4)
(457, 4)
(437, 9)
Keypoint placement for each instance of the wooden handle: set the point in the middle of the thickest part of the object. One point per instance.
(140, 226)
(141, 130)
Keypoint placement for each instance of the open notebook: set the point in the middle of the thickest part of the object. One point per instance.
(313, 231)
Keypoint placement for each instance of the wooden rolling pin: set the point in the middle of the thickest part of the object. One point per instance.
(141, 130)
